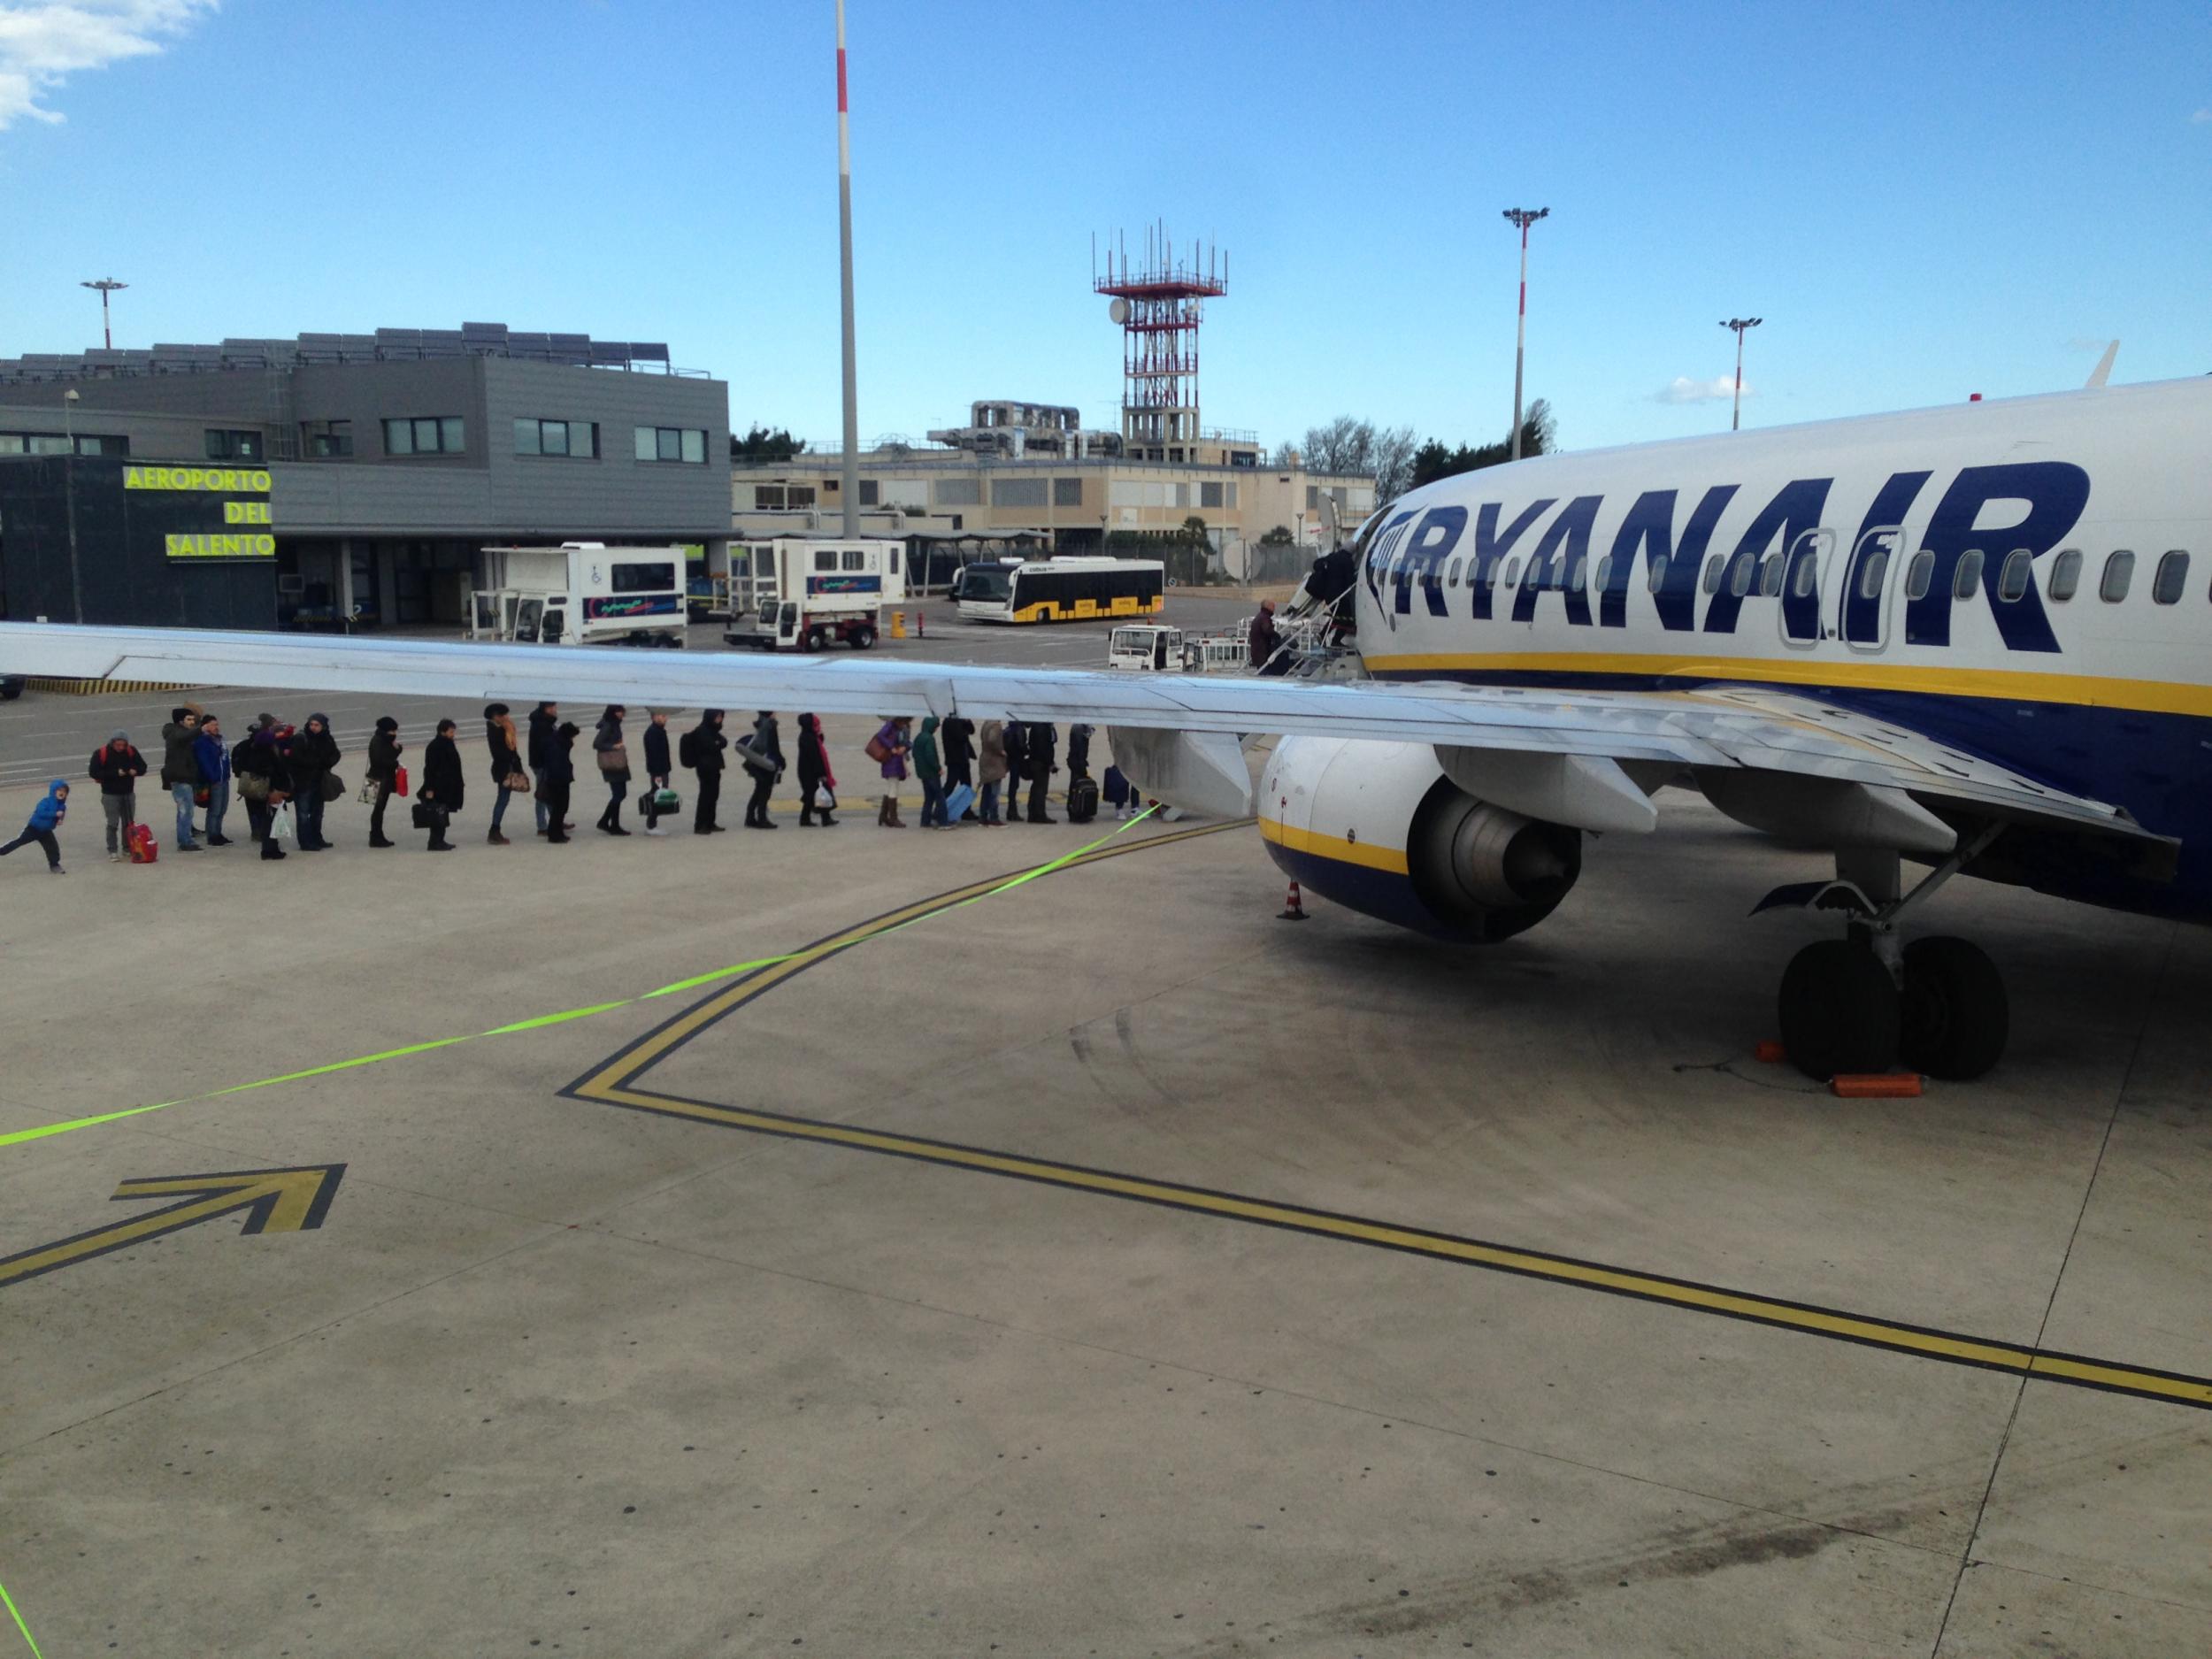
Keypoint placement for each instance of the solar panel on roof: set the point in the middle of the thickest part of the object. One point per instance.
(648, 351)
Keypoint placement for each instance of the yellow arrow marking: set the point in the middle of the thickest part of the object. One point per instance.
(275, 1201)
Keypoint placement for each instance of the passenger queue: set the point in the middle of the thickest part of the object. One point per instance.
(284, 776)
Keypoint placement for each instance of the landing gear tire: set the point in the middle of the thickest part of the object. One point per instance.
(1955, 1014)
(1839, 1010)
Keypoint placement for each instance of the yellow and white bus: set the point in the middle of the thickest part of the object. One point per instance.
(1062, 590)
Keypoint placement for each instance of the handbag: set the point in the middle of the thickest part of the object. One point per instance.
(200, 795)
(516, 780)
(878, 750)
(253, 785)
(399, 780)
(333, 787)
(367, 797)
(428, 815)
(666, 800)
(614, 760)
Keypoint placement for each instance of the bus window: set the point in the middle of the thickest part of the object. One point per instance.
(855, 559)
(825, 559)
(642, 578)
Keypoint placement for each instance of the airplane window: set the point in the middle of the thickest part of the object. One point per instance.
(1712, 574)
(1806, 579)
(1573, 581)
(1872, 569)
(1968, 581)
(2119, 571)
(1512, 573)
(1658, 573)
(1604, 578)
(2173, 576)
(1770, 576)
(2065, 575)
(1451, 576)
(1739, 574)
(2018, 575)
(1919, 573)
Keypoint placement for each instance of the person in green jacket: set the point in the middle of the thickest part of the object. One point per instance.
(929, 766)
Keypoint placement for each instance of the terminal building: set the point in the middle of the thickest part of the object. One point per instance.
(385, 463)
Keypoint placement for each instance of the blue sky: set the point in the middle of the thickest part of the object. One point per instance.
(1922, 201)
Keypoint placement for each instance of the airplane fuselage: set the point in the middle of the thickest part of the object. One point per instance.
(2030, 581)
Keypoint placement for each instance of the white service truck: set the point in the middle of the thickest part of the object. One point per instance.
(581, 593)
(808, 592)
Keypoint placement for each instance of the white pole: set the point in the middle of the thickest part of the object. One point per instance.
(850, 486)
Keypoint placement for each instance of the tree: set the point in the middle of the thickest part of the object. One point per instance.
(1539, 436)
(762, 444)
(1279, 536)
(1348, 445)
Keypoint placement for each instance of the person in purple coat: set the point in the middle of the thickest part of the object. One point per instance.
(891, 740)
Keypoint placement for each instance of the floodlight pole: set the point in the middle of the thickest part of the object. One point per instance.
(850, 472)
(1740, 325)
(107, 285)
(1522, 217)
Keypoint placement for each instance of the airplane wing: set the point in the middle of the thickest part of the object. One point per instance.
(1552, 753)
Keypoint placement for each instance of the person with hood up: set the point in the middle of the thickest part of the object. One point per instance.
(543, 718)
(180, 769)
(893, 743)
(384, 749)
(557, 774)
(265, 780)
(46, 819)
(213, 756)
(507, 777)
(701, 750)
(956, 732)
(1079, 751)
(443, 785)
(614, 765)
(817, 782)
(117, 767)
(768, 744)
(314, 757)
(929, 766)
(658, 768)
(992, 762)
(1044, 744)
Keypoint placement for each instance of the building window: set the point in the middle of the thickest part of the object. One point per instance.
(1067, 492)
(868, 492)
(1017, 492)
(776, 497)
(327, 440)
(684, 444)
(956, 492)
(424, 434)
(1313, 497)
(579, 440)
(233, 444)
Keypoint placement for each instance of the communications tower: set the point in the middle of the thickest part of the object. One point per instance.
(1159, 304)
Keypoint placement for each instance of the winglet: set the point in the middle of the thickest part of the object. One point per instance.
(2103, 373)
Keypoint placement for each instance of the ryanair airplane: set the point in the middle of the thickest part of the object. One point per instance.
(1972, 638)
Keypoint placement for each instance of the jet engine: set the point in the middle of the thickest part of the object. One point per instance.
(1379, 828)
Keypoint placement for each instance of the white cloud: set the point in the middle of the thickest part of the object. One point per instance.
(1683, 389)
(2202, 117)
(42, 44)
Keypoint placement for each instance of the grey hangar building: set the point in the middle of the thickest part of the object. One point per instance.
(339, 481)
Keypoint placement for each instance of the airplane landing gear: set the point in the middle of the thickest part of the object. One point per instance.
(1864, 1003)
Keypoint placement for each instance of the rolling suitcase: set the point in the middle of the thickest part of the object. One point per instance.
(1082, 801)
(139, 842)
(957, 800)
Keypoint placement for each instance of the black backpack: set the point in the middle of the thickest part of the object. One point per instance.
(688, 749)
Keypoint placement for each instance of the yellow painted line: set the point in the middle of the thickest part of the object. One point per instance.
(2149, 697)
(1392, 859)
(615, 1084)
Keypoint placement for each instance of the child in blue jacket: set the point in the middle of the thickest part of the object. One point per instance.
(46, 818)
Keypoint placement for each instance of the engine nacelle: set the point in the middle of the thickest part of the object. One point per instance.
(1379, 828)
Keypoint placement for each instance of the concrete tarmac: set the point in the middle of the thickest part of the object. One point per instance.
(1096, 1268)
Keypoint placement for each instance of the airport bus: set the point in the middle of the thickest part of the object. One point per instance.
(1062, 590)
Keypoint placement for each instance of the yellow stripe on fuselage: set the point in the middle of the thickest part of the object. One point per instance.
(1392, 860)
(2147, 697)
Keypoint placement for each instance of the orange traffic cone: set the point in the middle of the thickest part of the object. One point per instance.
(1294, 906)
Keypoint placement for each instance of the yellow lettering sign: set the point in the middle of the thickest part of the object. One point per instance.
(222, 480)
(220, 547)
(246, 512)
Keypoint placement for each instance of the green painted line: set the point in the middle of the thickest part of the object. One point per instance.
(21, 1136)
(20, 1625)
